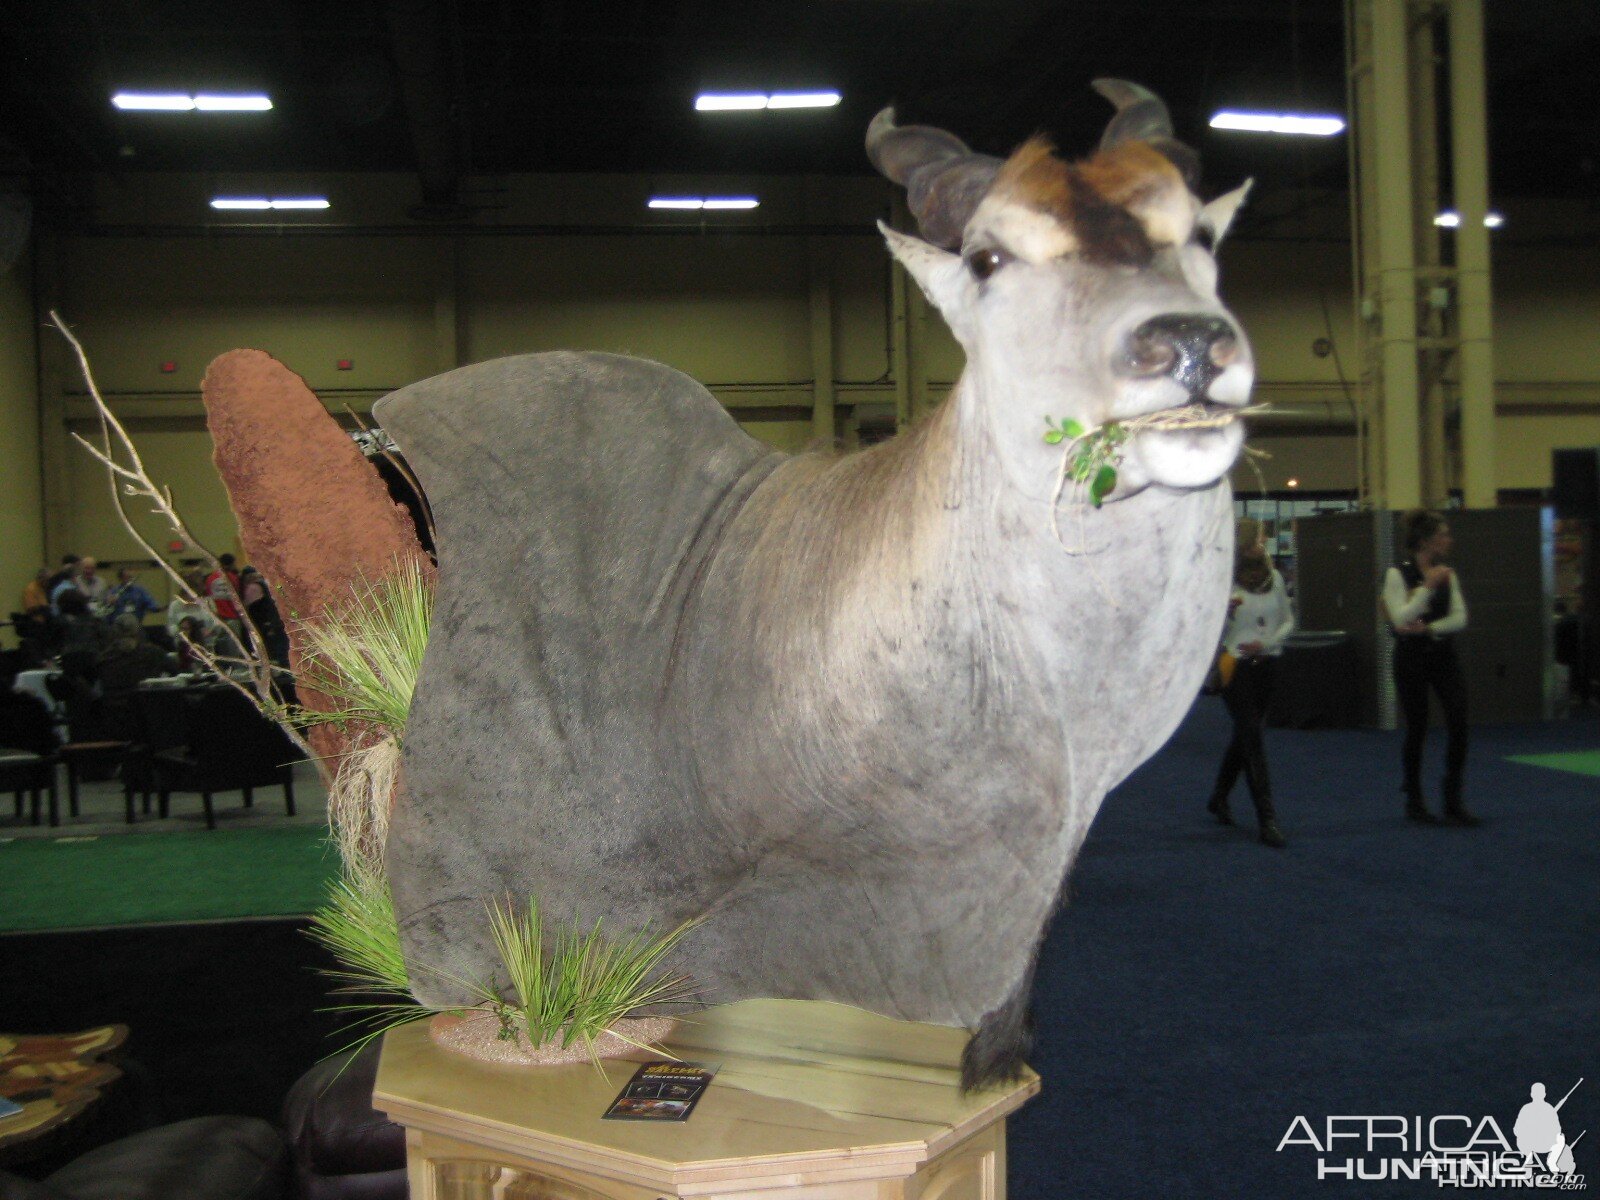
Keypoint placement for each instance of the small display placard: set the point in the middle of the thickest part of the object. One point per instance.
(662, 1091)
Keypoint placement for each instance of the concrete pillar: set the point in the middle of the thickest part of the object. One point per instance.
(1433, 356)
(1390, 138)
(56, 367)
(823, 370)
(900, 286)
(449, 319)
(920, 317)
(1470, 165)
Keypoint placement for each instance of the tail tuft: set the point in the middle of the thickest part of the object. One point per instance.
(998, 1051)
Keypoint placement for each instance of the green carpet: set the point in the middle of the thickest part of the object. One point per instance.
(132, 879)
(1579, 762)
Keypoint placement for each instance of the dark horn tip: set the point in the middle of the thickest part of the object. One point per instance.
(879, 128)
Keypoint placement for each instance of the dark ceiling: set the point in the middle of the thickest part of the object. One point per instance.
(452, 88)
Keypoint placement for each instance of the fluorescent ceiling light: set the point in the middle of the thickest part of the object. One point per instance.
(1290, 123)
(710, 102)
(257, 202)
(208, 103)
(749, 101)
(1452, 220)
(151, 102)
(710, 202)
(802, 99)
(205, 102)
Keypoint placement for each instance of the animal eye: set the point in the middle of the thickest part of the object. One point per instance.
(984, 263)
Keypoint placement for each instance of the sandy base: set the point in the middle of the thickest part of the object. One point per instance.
(476, 1034)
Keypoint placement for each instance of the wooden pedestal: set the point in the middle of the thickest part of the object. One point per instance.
(811, 1102)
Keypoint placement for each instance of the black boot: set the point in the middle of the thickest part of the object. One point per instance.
(1455, 809)
(1218, 808)
(1271, 835)
(1417, 811)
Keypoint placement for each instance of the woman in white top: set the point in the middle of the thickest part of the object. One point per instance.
(1423, 599)
(1259, 619)
(181, 610)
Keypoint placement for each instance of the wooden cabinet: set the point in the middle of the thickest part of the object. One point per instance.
(811, 1101)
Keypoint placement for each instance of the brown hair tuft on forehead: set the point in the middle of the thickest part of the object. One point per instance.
(1098, 201)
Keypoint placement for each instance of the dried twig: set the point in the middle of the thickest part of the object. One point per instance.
(133, 481)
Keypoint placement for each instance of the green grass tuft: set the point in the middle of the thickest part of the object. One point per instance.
(587, 982)
(359, 927)
(365, 654)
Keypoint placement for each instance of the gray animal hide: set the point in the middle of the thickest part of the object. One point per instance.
(859, 710)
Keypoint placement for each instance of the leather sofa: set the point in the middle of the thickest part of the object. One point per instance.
(342, 1149)
(207, 1158)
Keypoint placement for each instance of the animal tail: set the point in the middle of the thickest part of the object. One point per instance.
(998, 1051)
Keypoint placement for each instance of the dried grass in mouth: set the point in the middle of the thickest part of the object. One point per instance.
(1190, 416)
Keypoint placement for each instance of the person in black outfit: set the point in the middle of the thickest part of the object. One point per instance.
(1259, 619)
(262, 609)
(1426, 609)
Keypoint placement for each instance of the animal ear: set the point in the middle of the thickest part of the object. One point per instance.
(1219, 214)
(944, 280)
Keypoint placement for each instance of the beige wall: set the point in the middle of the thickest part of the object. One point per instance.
(21, 512)
(732, 310)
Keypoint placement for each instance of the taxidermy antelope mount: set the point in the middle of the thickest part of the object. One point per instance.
(859, 710)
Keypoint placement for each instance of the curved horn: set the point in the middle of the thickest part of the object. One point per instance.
(1143, 117)
(944, 180)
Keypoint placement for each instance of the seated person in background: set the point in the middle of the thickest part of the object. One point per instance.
(93, 585)
(193, 632)
(35, 596)
(79, 632)
(130, 659)
(180, 609)
(128, 595)
(87, 582)
(33, 618)
(69, 566)
(262, 610)
(222, 591)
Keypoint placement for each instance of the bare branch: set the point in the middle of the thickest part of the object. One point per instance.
(114, 436)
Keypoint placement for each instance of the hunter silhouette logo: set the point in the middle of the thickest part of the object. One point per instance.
(1538, 1132)
(1448, 1149)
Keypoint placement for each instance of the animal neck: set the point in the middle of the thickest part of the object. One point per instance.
(942, 548)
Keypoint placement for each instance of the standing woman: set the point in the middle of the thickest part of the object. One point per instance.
(1259, 619)
(1426, 608)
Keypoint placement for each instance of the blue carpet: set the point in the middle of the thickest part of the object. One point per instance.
(1199, 990)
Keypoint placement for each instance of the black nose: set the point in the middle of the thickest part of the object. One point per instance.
(1191, 348)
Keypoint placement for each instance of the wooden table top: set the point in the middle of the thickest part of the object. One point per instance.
(798, 1083)
(54, 1076)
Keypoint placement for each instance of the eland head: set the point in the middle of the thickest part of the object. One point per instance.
(1083, 290)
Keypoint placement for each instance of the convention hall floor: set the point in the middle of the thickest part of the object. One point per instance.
(1197, 993)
